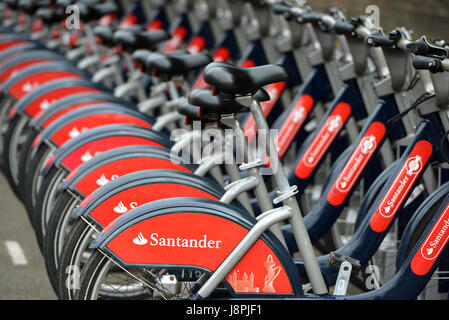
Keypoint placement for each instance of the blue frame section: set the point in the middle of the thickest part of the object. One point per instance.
(365, 241)
(324, 214)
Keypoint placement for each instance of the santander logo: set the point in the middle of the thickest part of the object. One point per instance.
(323, 139)
(159, 241)
(103, 180)
(433, 245)
(140, 240)
(356, 163)
(45, 104)
(300, 115)
(367, 146)
(333, 125)
(28, 86)
(436, 241)
(121, 208)
(402, 184)
(76, 132)
(412, 167)
(294, 122)
(87, 156)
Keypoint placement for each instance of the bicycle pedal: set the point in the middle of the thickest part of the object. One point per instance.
(336, 259)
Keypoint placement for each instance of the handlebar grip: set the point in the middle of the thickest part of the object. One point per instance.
(280, 9)
(62, 3)
(375, 40)
(310, 17)
(191, 111)
(426, 63)
(341, 27)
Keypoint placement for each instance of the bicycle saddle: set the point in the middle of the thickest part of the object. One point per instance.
(178, 63)
(132, 39)
(12, 4)
(48, 16)
(205, 99)
(150, 39)
(31, 6)
(26, 5)
(189, 110)
(105, 34)
(90, 10)
(140, 56)
(236, 80)
(62, 3)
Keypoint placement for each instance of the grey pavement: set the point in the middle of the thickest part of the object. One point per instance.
(22, 269)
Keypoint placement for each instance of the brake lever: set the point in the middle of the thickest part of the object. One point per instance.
(424, 47)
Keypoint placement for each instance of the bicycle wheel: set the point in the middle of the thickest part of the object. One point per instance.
(102, 279)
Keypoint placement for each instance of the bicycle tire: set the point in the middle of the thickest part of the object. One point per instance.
(45, 200)
(50, 251)
(70, 259)
(10, 149)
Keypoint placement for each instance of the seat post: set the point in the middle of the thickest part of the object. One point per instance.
(286, 196)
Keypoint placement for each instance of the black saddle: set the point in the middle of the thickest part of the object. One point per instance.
(185, 108)
(49, 16)
(140, 56)
(205, 99)
(177, 63)
(105, 34)
(91, 10)
(31, 6)
(62, 3)
(12, 4)
(236, 80)
(131, 39)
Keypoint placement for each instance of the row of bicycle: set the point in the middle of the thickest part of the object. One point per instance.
(208, 149)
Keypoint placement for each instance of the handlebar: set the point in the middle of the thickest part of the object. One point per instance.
(325, 21)
(432, 64)
(341, 27)
(378, 39)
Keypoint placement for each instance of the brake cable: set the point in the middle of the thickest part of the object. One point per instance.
(443, 151)
(423, 98)
(413, 81)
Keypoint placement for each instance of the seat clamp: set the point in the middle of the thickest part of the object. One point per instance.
(245, 101)
(254, 164)
(285, 194)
